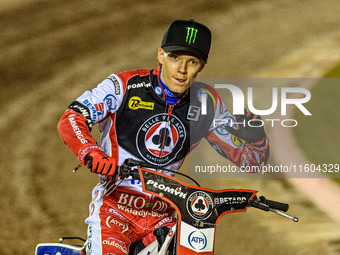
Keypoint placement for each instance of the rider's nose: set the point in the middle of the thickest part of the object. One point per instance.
(182, 67)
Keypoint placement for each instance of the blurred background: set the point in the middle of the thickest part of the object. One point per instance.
(52, 51)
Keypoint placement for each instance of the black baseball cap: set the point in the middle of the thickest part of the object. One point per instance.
(187, 35)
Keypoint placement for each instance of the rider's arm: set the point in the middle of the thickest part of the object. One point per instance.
(76, 134)
(239, 151)
(90, 108)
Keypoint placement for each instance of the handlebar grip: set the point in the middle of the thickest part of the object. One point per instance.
(275, 205)
(124, 171)
(260, 206)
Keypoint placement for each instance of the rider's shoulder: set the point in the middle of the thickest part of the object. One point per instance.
(132, 73)
(203, 88)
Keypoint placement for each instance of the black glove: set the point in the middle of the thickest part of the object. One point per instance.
(252, 133)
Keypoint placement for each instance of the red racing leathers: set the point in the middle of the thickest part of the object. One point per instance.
(136, 122)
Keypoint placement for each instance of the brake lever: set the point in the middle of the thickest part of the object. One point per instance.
(264, 207)
(295, 219)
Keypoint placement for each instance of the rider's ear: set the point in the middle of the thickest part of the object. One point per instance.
(202, 66)
(160, 56)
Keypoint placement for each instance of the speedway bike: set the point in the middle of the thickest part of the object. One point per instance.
(198, 213)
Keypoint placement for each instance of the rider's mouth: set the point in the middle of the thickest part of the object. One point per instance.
(181, 81)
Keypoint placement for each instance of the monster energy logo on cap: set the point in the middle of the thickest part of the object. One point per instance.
(191, 35)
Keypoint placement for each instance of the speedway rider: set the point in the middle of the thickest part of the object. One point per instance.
(154, 116)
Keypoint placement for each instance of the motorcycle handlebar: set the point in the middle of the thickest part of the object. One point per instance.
(126, 170)
(274, 204)
(256, 204)
(265, 204)
(261, 203)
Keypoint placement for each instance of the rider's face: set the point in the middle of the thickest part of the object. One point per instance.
(179, 69)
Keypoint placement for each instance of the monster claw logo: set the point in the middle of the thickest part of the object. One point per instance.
(191, 35)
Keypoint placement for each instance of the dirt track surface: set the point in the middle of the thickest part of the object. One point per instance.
(51, 51)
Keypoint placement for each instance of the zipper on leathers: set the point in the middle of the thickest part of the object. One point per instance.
(171, 106)
(170, 109)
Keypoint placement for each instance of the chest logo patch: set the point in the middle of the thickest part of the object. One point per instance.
(137, 103)
(158, 141)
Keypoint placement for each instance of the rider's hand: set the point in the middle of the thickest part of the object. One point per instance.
(253, 133)
(100, 163)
